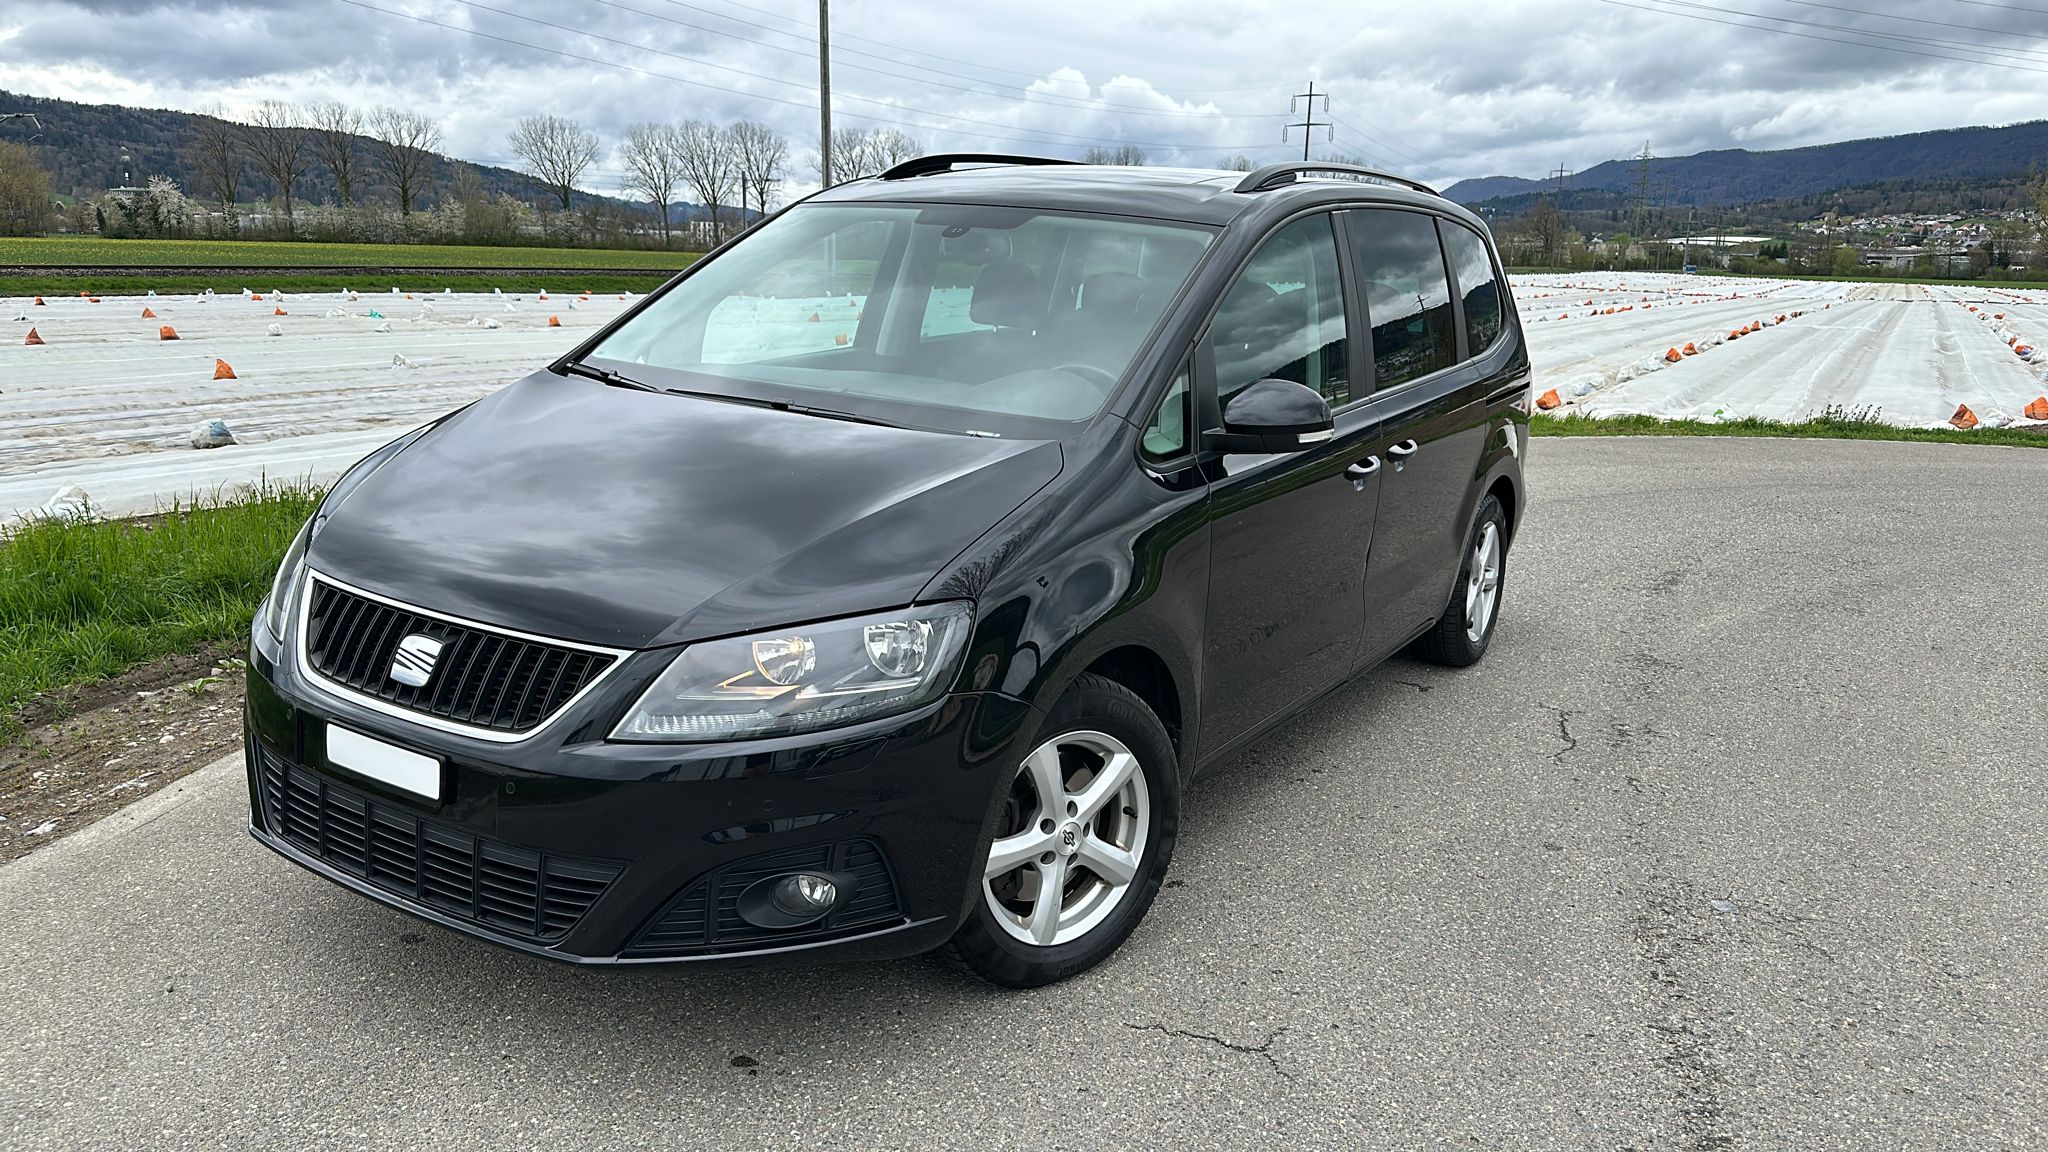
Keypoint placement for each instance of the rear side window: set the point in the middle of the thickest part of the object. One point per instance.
(1474, 269)
(1284, 317)
(1407, 297)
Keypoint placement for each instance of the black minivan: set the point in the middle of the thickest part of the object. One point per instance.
(879, 584)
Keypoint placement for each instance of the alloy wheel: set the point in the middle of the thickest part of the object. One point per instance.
(1482, 584)
(1072, 837)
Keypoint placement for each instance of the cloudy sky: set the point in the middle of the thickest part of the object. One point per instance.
(1443, 91)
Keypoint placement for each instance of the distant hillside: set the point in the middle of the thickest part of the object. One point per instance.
(1738, 176)
(81, 146)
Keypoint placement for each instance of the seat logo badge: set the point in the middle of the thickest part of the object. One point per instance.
(413, 664)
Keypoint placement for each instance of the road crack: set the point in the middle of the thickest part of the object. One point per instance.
(1564, 730)
(1263, 1049)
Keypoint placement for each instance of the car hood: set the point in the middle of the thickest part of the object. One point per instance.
(563, 507)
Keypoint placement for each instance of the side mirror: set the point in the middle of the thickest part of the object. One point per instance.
(1273, 415)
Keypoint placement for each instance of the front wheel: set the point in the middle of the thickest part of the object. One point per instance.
(1466, 626)
(1086, 830)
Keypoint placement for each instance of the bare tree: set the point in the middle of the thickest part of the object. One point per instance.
(762, 152)
(405, 151)
(557, 152)
(216, 155)
(1237, 163)
(24, 192)
(704, 152)
(654, 168)
(1129, 155)
(335, 128)
(276, 140)
(863, 152)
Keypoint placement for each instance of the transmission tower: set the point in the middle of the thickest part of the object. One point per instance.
(1308, 122)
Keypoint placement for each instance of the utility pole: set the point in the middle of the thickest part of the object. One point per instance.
(1562, 173)
(1640, 224)
(1308, 123)
(825, 92)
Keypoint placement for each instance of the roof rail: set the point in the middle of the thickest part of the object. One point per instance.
(946, 161)
(1274, 175)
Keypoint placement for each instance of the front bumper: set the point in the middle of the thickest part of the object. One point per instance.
(577, 849)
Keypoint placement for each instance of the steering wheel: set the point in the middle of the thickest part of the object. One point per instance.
(1090, 372)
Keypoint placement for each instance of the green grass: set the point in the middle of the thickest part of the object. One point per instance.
(85, 599)
(267, 281)
(1835, 424)
(88, 251)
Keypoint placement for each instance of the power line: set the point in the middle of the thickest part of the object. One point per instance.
(898, 48)
(1007, 131)
(1828, 39)
(1921, 20)
(809, 53)
(2029, 55)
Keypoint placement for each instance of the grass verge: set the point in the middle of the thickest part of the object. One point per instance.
(1824, 427)
(85, 599)
(266, 281)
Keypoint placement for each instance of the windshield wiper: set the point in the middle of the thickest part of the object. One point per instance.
(606, 376)
(615, 380)
(829, 414)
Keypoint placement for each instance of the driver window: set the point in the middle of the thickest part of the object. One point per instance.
(1284, 317)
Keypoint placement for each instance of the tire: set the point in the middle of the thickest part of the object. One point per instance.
(1007, 939)
(1455, 642)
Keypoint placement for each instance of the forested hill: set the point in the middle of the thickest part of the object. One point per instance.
(81, 146)
(1738, 176)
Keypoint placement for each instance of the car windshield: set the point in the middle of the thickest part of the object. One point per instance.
(957, 317)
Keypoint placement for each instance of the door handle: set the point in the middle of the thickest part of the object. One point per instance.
(1362, 471)
(1404, 449)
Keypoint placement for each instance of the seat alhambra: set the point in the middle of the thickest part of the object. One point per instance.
(880, 584)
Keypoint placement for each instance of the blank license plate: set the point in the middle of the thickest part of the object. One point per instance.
(380, 761)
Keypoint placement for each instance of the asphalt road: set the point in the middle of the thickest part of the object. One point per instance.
(1737, 839)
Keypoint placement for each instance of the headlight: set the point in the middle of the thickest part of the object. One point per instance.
(285, 584)
(802, 679)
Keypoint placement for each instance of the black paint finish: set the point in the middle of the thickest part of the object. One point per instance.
(1227, 589)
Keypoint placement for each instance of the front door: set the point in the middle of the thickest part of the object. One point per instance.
(1429, 408)
(1290, 532)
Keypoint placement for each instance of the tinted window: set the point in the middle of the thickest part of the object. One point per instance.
(1284, 317)
(1474, 270)
(1407, 298)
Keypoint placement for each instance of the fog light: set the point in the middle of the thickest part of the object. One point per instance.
(804, 894)
(795, 899)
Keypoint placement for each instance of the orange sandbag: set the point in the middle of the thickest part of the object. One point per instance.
(839, 339)
(1673, 356)
(813, 319)
(1690, 349)
(2038, 410)
(279, 312)
(39, 303)
(149, 313)
(1735, 334)
(257, 298)
(221, 371)
(1549, 400)
(34, 337)
(167, 333)
(1964, 418)
(554, 321)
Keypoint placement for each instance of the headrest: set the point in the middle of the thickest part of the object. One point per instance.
(1006, 295)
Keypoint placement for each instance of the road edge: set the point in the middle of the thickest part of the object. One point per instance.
(163, 801)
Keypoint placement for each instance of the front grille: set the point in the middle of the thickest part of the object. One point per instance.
(704, 917)
(487, 882)
(481, 678)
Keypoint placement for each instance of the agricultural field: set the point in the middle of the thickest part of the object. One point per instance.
(1682, 347)
(96, 252)
(105, 408)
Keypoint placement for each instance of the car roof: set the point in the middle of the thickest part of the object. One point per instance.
(1193, 195)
